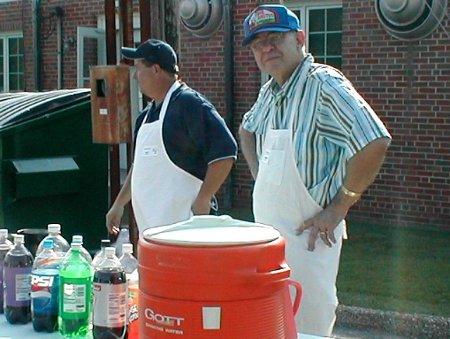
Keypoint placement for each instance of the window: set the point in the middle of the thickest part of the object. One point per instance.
(322, 22)
(11, 63)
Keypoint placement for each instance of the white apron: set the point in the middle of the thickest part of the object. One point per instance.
(281, 199)
(161, 192)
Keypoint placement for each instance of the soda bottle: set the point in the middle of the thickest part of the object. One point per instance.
(122, 238)
(110, 298)
(84, 252)
(16, 276)
(75, 279)
(45, 289)
(5, 246)
(128, 261)
(101, 254)
(61, 246)
(130, 265)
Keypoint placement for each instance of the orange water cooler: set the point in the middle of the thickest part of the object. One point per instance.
(215, 277)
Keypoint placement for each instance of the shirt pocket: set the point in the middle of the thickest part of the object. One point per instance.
(271, 166)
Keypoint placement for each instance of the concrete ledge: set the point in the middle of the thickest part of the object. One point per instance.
(408, 325)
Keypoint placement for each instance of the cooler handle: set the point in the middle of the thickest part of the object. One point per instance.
(298, 294)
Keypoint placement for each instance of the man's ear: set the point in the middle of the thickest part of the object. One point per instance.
(156, 68)
(301, 38)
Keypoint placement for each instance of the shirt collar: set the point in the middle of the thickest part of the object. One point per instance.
(302, 67)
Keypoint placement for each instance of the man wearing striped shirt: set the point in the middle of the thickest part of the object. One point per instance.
(313, 146)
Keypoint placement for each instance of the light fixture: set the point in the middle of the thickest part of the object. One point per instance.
(410, 19)
(201, 17)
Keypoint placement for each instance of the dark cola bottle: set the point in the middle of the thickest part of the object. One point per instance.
(110, 298)
(45, 289)
(17, 286)
(5, 246)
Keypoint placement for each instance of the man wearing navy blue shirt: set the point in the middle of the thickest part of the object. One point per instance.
(183, 148)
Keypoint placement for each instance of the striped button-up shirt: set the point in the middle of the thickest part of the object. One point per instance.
(331, 123)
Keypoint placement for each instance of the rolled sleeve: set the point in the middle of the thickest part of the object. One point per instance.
(254, 120)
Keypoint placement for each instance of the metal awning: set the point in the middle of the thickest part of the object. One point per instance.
(19, 107)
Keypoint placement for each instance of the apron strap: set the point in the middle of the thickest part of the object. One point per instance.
(172, 89)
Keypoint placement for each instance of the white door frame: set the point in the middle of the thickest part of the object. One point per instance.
(90, 33)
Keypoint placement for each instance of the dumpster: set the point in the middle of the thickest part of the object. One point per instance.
(51, 172)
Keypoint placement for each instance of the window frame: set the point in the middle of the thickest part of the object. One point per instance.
(305, 6)
(6, 55)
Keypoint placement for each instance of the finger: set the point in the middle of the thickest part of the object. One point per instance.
(306, 224)
(324, 237)
(332, 237)
(113, 230)
(312, 239)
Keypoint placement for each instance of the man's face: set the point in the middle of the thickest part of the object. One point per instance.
(277, 52)
(146, 76)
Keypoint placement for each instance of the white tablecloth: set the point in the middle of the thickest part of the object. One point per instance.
(27, 332)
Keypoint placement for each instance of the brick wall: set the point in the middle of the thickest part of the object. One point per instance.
(407, 84)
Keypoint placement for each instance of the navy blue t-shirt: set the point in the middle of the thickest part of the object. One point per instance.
(194, 134)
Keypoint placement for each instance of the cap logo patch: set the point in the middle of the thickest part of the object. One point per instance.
(262, 17)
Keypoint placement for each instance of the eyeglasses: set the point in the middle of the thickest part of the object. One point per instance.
(272, 39)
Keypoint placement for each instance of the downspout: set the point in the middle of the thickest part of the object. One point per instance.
(37, 44)
(229, 84)
(59, 45)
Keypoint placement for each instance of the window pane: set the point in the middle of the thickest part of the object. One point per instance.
(317, 44)
(21, 64)
(1, 48)
(13, 82)
(319, 60)
(13, 66)
(334, 19)
(21, 82)
(335, 62)
(13, 46)
(20, 45)
(334, 44)
(317, 20)
(89, 55)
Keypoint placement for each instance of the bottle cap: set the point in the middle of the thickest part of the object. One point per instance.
(110, 252)
(4, 233)
(18, 238)
(48, 243)
(105, 243)
(75, 245)
(54, 228)
(77, 239)
(127, 248)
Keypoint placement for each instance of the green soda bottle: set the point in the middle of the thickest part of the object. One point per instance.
(75, 294)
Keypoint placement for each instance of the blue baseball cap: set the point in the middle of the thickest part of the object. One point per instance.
(269, 18)
(156, 52)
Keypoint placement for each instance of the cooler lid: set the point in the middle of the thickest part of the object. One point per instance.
(207, 230)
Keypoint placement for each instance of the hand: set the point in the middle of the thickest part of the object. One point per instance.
(322, 224)
(113, 218)
(201, 205)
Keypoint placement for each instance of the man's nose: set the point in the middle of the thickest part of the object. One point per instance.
(267, 46)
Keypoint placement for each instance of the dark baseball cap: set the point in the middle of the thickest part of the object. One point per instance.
(269, 18)
(154, 51)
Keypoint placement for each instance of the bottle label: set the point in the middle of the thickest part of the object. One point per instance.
(110, 305)
(17, 286)
(44, 291)
(74, 298)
